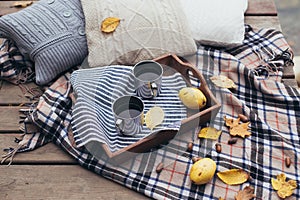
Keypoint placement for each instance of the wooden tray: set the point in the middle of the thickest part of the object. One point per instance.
(194, 119)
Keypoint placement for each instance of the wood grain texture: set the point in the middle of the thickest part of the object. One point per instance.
(261, 8)
(9, 116)
(258, 22)
(59, 182)
(6, 7)
(290, 82)
(48, 154)
(13, 95)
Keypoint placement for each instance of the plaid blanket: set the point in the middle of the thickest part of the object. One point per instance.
(14, 67)
(272, 107)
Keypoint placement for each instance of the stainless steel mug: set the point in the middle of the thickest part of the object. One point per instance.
(148, 78)
(129, 114)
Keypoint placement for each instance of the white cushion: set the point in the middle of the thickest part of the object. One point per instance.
(148, 29)
(216, 21)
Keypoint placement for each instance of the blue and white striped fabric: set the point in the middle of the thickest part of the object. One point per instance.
(97, 88)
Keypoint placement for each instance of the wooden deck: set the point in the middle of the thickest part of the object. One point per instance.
(50, 173)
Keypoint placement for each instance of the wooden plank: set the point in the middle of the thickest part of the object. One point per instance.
(11, 94)
(290, 82)
(59, 182)
(9, 116)
(48, 154)
(288, 72)
(258, 22)
(261, 8)
(6, 7)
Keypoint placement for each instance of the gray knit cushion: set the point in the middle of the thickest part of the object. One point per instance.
(51, 33)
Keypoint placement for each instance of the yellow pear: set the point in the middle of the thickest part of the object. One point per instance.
(203, 171)
(192, 98)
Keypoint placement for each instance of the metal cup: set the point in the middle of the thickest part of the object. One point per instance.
(148, 78)
(129, 115)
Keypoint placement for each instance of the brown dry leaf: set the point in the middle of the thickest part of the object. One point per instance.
(246, 194)
(231, 122)
(240, 130)
(110, 24)
(209, 133)
(22, 4)
(223, 81)
(233, 176)
(236, 128)
(284, 189)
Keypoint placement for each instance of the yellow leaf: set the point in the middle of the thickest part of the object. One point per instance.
(284, 188)
(110, 24)
(240, 130)
(231, 122)
(246, 194)
(154, 117)
(223, 81)
(209, 133)
(233, 176)
(276, 184)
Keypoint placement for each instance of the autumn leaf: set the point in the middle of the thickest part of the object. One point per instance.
(110, 24)
(233, 176)
(246, 194)
(284, 188)
(223, 81)
(209, 133)
(22, 4)
(236, 128)
(154, 117)
(240, 130)
(231, 122)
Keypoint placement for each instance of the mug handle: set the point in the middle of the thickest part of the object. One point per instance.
(120, 125)
(154, 88)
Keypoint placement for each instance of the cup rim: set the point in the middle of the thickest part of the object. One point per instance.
(151, 61)
(141, 112)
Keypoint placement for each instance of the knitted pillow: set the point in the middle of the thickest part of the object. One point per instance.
(51, 33)
(147, 29)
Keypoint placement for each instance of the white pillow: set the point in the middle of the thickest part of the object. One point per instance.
(216, 21)
(148, 29)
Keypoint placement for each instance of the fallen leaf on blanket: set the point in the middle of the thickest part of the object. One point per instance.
(223, 81)
(240, 130)
(209, 133)
(154, 117)
(231, 122)
(246, 194)
(22, 4)
(233, 176)
(236, 128)
(284, 188)
(110, 24)
(192, 97)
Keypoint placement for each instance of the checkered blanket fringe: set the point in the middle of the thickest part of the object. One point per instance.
(272, 107)
(14, 67)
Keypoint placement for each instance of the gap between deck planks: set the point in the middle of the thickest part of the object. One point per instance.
(58, 182)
